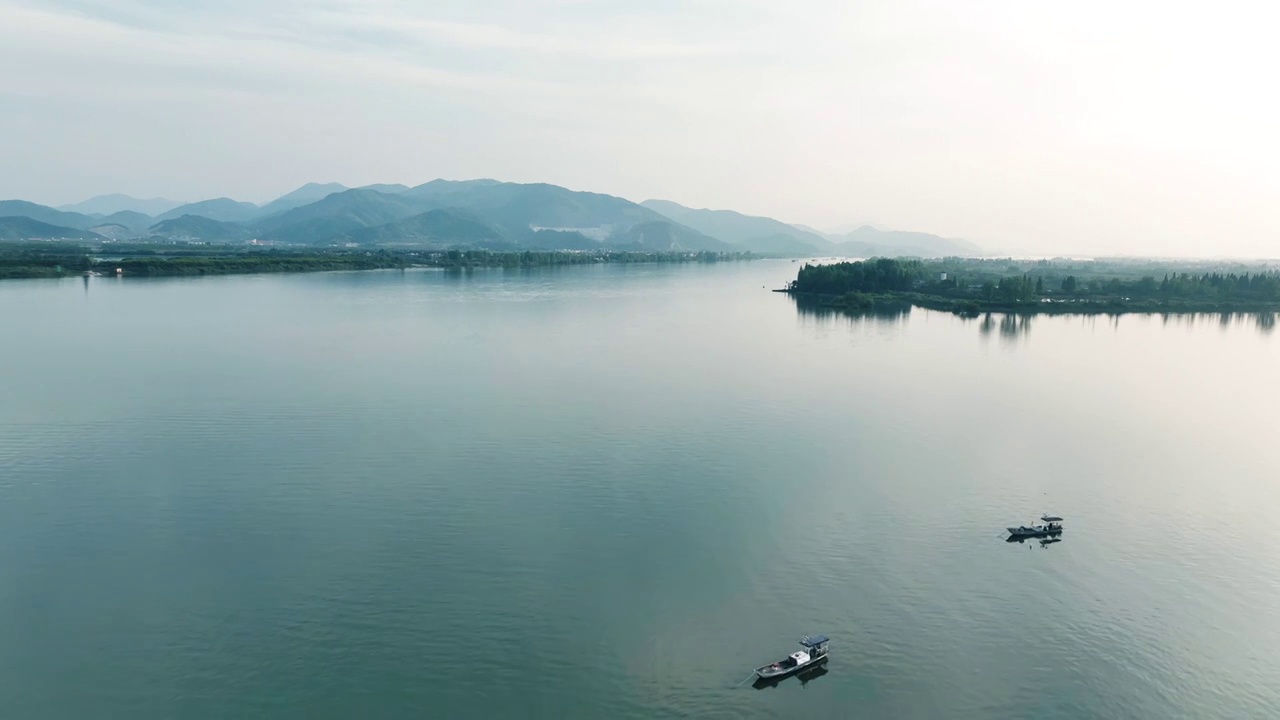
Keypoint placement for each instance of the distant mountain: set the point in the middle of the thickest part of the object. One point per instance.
(434, 227)
(25, 228)
(221, 209)
(45, 214)
(314, 231)
(559, 240)
(811, 230)
(521, 210)
(846, 228)
(482, 213)
(113, 231)
(782, 244)
(867, 241)
(522, 215)
(665, 235)
(304, 195)
(441, 186)
(747, 232)
(114, 203)
(134, 221)
(479, 213)
(394, 189)
(202, 229)
(336, 215)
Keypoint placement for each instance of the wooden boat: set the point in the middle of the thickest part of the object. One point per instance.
(815, 651)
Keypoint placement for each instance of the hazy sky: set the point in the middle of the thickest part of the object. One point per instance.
(1087, 126)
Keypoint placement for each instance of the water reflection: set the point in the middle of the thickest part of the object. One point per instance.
(804, 677)
(1044, 542)
(881, 314)
(1012, 328)
(1263, 322)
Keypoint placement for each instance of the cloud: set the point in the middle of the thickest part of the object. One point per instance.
(61, 48)
(584, 42)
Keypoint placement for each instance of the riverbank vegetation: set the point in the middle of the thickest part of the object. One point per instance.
(58, 259)
(970, 287)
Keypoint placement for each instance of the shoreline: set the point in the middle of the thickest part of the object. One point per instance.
(976, 307)
(62, 263)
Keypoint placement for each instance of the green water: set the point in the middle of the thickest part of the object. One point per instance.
(612, 491)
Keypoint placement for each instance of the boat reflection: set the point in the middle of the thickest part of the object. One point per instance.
(1043, 542)
(804, 677)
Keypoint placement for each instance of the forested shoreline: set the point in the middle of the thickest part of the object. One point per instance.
(53, 260)
(969, 287)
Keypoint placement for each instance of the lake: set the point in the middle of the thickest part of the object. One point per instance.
(612, 491)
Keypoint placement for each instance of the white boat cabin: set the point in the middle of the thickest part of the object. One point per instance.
(816, 647)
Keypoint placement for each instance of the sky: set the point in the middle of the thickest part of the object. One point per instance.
(1147, 128)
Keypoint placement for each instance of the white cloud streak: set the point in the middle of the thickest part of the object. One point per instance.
(583, 42)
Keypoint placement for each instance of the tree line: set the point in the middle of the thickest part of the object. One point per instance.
(1248, 286)
(36, 260)
(885, 275)
(881, 275)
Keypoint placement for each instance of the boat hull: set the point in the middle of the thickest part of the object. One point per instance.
(768, 672)
(1033, 532)
(809, 672)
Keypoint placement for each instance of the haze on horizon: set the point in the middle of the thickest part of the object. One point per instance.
(1091, 127)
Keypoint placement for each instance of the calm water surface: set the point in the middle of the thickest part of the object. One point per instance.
(612, 491)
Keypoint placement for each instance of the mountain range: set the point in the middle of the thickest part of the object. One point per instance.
(766, 235)
(462, 214)
(25, 228)
(114, 203)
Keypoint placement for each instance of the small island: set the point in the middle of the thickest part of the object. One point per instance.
(971, 287)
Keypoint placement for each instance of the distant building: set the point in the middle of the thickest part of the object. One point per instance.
(942, 276)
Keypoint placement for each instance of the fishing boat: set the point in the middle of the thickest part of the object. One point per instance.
(813, 672)
(815, 651)
(1052, 526)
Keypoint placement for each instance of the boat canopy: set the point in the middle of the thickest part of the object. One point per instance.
(813, 641)
(1050, 518)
